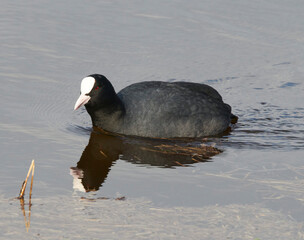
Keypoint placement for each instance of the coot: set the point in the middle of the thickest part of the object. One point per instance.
(155, 109)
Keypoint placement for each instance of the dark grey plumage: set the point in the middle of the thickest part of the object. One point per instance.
(159, 109)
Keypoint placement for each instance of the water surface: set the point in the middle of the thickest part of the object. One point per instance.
(250, 51)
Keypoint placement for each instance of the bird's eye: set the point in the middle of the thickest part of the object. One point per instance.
(96, 88)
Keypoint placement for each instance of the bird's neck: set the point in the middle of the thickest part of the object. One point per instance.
(108, 117)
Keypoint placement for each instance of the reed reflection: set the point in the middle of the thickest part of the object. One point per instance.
(103, 150)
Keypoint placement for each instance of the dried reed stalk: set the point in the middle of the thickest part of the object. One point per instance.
(22, 190)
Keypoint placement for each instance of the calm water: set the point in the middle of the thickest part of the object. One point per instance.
(250, 51)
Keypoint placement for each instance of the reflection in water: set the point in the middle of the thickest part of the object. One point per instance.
(27, 219)
(103, 150)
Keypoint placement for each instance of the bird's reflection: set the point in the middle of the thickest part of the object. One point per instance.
(104, 149)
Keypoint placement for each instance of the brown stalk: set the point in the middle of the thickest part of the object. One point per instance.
(21, 195)
(22, 190)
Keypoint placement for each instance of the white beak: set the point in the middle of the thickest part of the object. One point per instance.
(82, 100)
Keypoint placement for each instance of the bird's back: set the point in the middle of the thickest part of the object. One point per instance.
(179, 109)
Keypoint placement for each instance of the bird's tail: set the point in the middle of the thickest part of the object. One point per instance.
(233, 118)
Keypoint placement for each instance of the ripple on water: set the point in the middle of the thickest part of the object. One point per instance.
(80, 130)
(269, 126)
(55, 109)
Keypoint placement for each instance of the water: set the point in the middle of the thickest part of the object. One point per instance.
(250, 51)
